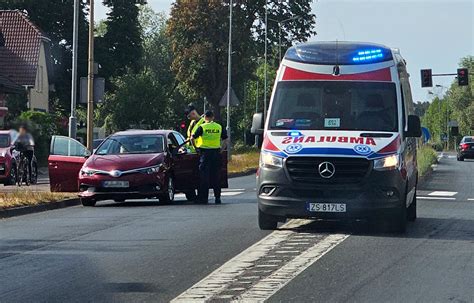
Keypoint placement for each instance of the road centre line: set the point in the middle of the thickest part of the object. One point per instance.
(246, 266)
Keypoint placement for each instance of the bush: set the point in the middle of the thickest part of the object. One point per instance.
(426, 157)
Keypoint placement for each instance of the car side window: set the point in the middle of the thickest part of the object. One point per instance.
(179, 138)
(172, 143)
(64, 146)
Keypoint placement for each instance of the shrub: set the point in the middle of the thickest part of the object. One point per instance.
(426, 157)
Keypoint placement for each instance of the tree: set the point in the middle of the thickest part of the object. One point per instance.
(150, 92)
(120, 47)
(56, 21)
(199, 35)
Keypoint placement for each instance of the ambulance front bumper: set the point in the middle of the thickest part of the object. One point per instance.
(379, 193)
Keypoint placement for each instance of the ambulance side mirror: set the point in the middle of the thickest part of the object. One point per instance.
(257, 124)
(414, 127)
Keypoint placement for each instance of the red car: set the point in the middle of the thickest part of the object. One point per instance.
(127, 165)
(8, 156)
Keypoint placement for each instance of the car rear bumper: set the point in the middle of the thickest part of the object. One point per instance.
(379, 194)
(466, 153)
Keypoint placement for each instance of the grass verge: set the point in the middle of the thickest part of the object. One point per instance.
(30, 198)
(244, 162)
(426, 157)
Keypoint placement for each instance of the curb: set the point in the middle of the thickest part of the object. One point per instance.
(242, 174)
(25, 210)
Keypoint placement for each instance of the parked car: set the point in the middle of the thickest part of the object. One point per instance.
(8, 157)
(127, 165)
(466, 148)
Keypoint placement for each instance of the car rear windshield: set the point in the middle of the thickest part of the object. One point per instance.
(4, 140)
(335, 105)
(131, 144)
(468, 140)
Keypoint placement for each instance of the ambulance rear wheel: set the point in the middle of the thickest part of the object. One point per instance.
(267, 222)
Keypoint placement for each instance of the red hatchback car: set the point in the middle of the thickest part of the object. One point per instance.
(8, 156)
(127, 165)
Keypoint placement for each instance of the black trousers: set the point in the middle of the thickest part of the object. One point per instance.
(209, 173)
(29, 156)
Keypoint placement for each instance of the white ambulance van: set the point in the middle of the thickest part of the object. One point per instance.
(339, 138)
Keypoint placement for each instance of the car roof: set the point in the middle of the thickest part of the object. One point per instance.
(6, 132)
(132, 132)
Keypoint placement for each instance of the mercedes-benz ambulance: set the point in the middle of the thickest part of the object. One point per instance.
(339, 137)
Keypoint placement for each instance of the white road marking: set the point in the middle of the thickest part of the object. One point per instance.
(268, 286)
(470, 199)
(435, 198)
(230, 194)
(245, 267)
(443, 193)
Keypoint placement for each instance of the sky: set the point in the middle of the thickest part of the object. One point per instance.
(432, 34)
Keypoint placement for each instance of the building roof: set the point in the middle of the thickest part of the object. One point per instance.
(9, 87)
(20, 42)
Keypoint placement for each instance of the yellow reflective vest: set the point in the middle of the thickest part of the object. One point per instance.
(193, 126)
(211, 136)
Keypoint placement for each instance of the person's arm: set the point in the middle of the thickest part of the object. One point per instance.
(197, 134)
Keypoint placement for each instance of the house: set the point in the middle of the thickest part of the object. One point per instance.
(25, 60)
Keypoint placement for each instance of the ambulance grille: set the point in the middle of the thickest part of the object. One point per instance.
(347, 170)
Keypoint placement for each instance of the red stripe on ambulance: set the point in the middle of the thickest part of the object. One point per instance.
(377, 75)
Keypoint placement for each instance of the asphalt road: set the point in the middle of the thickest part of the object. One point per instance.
(143, 252)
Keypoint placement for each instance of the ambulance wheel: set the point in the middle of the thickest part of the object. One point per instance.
(398, 221)
(411, 212)
(87, 202)
(267, 222)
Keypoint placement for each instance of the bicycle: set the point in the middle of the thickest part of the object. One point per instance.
(23, 170)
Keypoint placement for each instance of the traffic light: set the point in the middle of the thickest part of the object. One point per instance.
(426, 78)
(463, 76)
(183, 125)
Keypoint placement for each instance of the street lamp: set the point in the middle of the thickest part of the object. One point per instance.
(280, 23)
(72, 118)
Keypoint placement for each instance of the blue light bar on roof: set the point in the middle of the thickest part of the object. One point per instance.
(368, 55)
(295, 133)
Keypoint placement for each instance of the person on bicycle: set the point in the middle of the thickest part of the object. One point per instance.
(27, 143)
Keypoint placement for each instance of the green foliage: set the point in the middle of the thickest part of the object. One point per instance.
(425, 158)
(120, 48)
(457, 104)
(199, 36)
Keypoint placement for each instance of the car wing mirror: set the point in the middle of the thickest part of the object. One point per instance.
(87, 154)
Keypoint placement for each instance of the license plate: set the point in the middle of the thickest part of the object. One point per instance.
(116, 184)
(327, 207)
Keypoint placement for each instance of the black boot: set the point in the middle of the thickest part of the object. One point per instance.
(218, 200)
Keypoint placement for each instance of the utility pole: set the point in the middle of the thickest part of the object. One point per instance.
(90, 80)
(265, 67)
(229, 80)
(72, 118)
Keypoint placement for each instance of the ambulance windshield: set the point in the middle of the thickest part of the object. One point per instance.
(334, 105)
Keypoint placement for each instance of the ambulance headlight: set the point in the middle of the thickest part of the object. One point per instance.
(269, 160)
(387, 163)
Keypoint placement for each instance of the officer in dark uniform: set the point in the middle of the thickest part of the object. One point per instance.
(195, 121)
(209, 138)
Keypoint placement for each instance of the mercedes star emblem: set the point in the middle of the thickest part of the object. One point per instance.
(115, 173)
(326, 170)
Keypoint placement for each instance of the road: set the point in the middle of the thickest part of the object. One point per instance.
(142, 252)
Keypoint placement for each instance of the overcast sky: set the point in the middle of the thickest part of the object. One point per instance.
(430, 33)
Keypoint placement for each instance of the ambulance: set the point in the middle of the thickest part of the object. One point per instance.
(339, 137)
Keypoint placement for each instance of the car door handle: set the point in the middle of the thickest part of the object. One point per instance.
(54, 164)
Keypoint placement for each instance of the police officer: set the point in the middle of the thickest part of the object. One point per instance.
(196, 121)
(209, 138)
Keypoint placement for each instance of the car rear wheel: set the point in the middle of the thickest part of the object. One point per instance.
(168, 197)
(267, 222)
(88, 202)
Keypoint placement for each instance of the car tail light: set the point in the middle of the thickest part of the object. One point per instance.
(464, 146)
